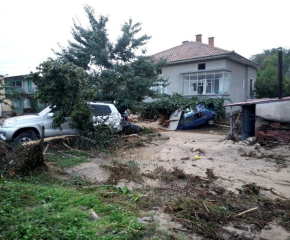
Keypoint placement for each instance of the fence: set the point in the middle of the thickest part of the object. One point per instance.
(22, 158)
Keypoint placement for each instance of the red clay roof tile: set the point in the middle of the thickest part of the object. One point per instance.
(190, 50)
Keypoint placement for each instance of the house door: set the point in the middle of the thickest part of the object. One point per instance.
(18, 105)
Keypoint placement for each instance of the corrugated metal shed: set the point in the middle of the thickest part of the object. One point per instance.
(258, 101)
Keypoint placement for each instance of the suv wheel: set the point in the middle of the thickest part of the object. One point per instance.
(25, 137)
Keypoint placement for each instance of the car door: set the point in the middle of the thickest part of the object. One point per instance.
(187, 122)
(50, 131)
(200, 119)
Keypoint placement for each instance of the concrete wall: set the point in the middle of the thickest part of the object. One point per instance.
(240, 82)
(277, 111)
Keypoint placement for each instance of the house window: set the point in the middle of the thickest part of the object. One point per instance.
(201, 66)
(159, 88)
(16, 84)
(214, 82)
(251, 85)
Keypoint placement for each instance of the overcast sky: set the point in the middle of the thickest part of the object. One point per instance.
(30, 29)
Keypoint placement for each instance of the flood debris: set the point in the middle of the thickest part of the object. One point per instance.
(167, 175)
(19, 160)
(118, 170)
(274, 132)
(210, 174)
(204, 208)
(250, 189)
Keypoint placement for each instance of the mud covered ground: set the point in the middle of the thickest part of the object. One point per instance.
(197, 185)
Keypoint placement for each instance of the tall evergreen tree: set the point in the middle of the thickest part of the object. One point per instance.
(120, 70)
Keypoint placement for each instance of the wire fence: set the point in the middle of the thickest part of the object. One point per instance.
(23, 157)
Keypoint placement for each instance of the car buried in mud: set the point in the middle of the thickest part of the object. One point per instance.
(192, 117)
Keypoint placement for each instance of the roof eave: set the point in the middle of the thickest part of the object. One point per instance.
(232, 55)
(198, 59)
(245, 60)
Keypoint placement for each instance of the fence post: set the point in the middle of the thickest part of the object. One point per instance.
(42, 139)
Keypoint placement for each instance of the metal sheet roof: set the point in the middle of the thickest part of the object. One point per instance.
(258, 101)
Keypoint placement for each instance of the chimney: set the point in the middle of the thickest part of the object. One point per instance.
(185, 42)
(198, 38)
(211, 41)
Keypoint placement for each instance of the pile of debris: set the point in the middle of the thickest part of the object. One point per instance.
(276, 131)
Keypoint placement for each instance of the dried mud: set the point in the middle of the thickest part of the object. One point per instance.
(204, 181)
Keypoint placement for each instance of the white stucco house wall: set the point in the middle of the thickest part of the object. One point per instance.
(198, 69)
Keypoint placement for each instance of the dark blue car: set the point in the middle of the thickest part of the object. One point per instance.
(195, 117)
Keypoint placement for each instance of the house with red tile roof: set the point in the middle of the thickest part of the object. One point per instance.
(199, 69)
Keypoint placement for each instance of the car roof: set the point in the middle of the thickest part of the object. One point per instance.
(100, 103)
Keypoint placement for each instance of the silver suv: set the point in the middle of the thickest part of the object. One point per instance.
(26, 128)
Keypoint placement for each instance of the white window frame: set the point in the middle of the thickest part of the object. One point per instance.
(199, 79)
(159, 88)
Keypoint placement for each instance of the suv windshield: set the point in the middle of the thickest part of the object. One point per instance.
(44, 111)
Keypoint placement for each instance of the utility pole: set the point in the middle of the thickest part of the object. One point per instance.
(280, 83)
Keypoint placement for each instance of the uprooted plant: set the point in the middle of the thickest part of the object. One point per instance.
(118, 170)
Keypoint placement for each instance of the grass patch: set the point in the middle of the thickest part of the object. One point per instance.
(64, 159)
(32, 209)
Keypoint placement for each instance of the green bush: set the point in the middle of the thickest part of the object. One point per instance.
(165, 106)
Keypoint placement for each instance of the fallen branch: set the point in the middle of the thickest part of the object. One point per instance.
(131, 135)
(67, 146)
(277, 194)
(137, 136)
(274, 192)
(247, 211)
(172, 120)
(205, 207)
(45, 150)
(49, 139)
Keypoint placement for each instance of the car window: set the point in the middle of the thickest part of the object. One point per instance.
(100, 110)
(187, 121)
(198, 115)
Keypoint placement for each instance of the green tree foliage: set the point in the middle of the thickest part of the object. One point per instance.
(267, 78)
(64, 86)
(120, 70)
(164, 106)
